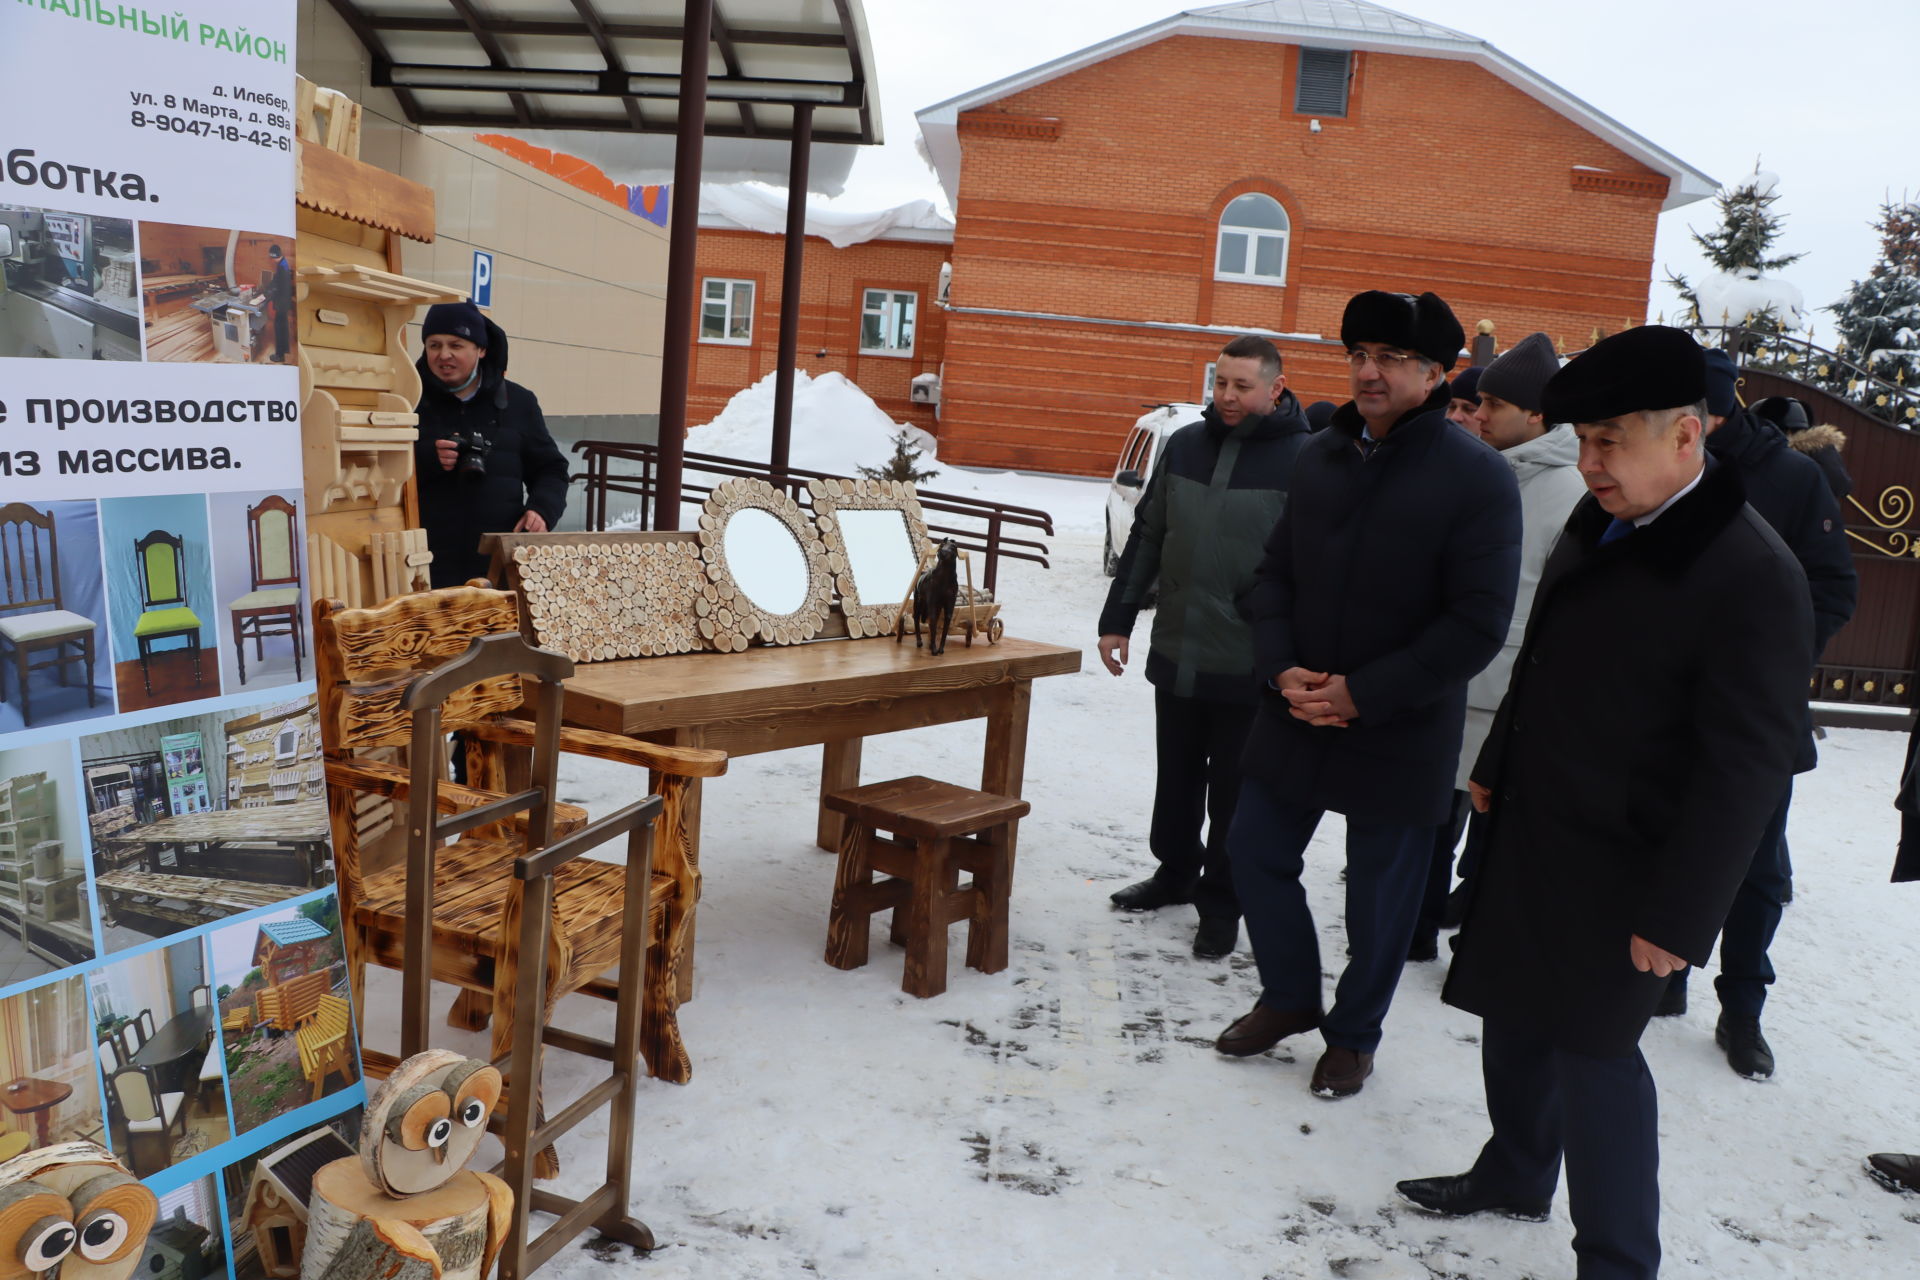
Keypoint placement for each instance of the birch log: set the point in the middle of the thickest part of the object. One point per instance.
(357, 1232)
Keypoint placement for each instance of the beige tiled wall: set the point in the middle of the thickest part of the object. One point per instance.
(579, 285)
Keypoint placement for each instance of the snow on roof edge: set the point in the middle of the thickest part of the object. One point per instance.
(939, 122)
(763, 208)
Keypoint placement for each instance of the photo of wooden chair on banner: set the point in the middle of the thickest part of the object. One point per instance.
(365, 659)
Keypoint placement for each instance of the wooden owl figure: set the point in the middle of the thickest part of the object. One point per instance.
(408, 1208)
(74, 1212)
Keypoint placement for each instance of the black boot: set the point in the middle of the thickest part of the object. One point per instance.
(1150, 895)
(1216, 937)
(1673, 1001)
(1747, 1050)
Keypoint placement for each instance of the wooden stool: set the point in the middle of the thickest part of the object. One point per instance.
(946, 830)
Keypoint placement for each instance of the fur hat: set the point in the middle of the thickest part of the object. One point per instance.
(1722, 381)
(457, 319)
(1465, 385)
(1424, 324)
(1520, 376)
(1634, 371)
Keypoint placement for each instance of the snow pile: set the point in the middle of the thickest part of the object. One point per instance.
(758, 207)
(837, 428)
(1733, 297)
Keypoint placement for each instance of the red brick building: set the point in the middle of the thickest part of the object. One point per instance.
(1123, 210)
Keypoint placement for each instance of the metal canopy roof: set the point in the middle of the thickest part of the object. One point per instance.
(614, 65)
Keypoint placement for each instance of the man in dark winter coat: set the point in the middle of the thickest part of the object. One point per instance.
(1822, 443)
(1655, 714)
(1898, 1171)
(1791, 494)
(484, 461)
(1220, 484)
(1388, 584)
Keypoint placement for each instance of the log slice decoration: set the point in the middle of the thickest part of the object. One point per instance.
(731, 619)
(599, 601)
(871, 613)
(58, 1197)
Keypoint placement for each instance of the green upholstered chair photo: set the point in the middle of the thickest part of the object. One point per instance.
(272, 607)
(164, 614)
(33, 622)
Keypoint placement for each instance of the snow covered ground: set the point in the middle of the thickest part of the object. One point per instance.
(1069, 1117)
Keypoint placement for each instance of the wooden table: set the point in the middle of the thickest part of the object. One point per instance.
(38, 1098)
(832, 694)
(299, 830)
(183, 1034)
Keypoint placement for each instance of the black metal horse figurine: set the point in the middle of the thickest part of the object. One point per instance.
(934, 597)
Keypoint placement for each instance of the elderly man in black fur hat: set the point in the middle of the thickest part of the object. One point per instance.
(1388, 583)
(1651, 726)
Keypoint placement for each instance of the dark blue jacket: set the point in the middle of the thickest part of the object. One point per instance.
(1196, 539)
(1397, 571)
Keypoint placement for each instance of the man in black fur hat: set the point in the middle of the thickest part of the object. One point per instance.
(484, 462)
(1388, 583)
(1653, 720)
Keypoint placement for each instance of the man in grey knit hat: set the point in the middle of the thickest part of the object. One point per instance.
(1544, 460)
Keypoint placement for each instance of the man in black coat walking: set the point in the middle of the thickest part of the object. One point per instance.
(1388, 583)
(1217, 488)
(484, 461)
(1655, 714)
(1791, 494)
(1895, 1170)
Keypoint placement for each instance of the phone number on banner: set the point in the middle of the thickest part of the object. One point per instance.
(208, 129)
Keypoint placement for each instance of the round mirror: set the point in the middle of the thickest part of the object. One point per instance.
(765, 560)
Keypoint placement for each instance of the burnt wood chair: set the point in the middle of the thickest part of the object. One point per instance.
(35, 622)
(272, 607)
(164, 614)
(364, 661)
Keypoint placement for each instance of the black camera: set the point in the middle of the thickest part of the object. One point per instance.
(470, 463)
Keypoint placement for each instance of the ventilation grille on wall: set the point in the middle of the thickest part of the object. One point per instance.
(1322, 89)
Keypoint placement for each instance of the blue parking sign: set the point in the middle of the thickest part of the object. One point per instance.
(482, 279)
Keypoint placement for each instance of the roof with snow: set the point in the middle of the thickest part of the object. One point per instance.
(757, 207)
(1325, 24)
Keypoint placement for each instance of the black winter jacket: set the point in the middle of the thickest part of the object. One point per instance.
(1197, 532)
(1397, 571)
(1648, 734)
(1790, 492)
(525, 469)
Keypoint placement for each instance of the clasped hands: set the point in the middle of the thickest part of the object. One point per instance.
(1318, 698)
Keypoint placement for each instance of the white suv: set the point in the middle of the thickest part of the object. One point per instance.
(1137, 460)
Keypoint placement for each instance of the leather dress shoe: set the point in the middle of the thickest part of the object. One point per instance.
(1216, 937)
(1150, 894)
(1262, 1028)
(1341, 1073)
(1748, 1052)
(1456, 1195)
(1424, 947)
(1894, 1171)
(1673, 1001)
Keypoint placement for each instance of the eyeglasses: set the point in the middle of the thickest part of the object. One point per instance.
(1385, 361)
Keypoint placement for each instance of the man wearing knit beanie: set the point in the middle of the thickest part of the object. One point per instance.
(1545, 462)
(1464, 387)
(484, 462)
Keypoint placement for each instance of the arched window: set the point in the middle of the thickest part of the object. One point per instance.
(1253, 241)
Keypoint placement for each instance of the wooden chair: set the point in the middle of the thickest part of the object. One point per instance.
(149, 1113)
(210, 1078)
(108, 1051)
(36, 622)
(322, 1043)
(361, 657)
(164, 614)
(202, 997)
(948, 830)
(272, 607)
(238, 1022)
(147, 1025)
(130, 1039)
(543, 951)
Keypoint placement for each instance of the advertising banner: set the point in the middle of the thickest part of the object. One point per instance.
(170, 948)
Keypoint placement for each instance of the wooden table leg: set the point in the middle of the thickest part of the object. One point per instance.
(839, 770)
(1003, 770)
(691, 736)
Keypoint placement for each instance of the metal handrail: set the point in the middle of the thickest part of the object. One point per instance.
(993, 541)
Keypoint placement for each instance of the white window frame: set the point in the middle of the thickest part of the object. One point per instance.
(728, 315)
(1206, 384)
(889, 297)
(1254, 236)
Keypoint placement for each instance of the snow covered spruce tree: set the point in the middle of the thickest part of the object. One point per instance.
(905, 462)
(1879, 317)
(1740, 288)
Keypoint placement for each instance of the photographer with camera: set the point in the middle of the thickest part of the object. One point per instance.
(484, 460)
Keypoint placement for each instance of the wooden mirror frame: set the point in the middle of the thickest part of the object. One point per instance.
(735, 618)
(866, 617)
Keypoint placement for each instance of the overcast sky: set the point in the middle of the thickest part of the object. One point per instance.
(1822, 94)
